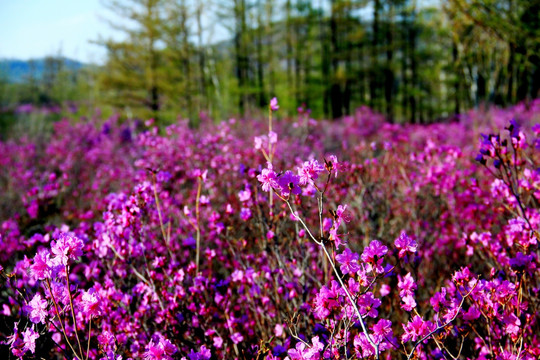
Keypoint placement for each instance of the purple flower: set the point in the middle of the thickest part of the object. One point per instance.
(289, 183)
(304, 352)
(472, 314)
(274, 104)
(416, 329)
(67, 247)
(309, 171)
(368, 305)
(162, 349)
(40, 268)
(245, 214)
(406, 285)
(38, 309)
(237, 338)
(203, 354)
(521, 261)
(29, 337)
(408, 303)
(381, 330)
(268, 179)
(90, 303)
(348, 261)
(373, 256)
(405, 244)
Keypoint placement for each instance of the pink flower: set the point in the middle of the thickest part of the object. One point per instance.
(274, 104)
(381, 330)
(373, 256)
(279, 330)
(512, 324)
(309, 171)
(163, 349)
(348, 261)
(408, 303)
(237, 338)
(40, 268)
(342, 214)
(368, 305)
(218, 342)
(272, 137)
(405, 244)
(416, 329)
(38, 309)
(289, 183)
(462, 276)
(384, 290)
(268, 179)
(202, 174)
(67, 247)
(332, 165)
(305, 352)
(362, 346)
(258, 142)
(438, 299)
(506, 355)
(29, 338)
(244, 195)
(406, 285)
(90, 303)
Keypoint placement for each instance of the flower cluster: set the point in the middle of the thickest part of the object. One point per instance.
(119, 240)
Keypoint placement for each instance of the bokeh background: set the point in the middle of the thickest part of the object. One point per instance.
(414, 61)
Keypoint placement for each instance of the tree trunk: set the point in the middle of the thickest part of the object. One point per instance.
(389, 73)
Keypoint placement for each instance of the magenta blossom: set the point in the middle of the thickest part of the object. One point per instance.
(373, 256)
(309, 171)
(29, 337)
(289, 183)
(405, 244)
(306, 352)
(381, 330)
(416, 329)
(40, 268)
(406, 285)
(162, 349)
(38, 309)
(348, 261)
(368, 305)
(90, 304)
(268, 179)
(67, 247)
(274, 104)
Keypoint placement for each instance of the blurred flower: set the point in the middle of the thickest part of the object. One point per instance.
(274, 104)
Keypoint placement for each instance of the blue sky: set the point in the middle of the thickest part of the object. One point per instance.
(37, 28)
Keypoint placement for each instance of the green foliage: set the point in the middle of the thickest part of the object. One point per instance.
(415, 64)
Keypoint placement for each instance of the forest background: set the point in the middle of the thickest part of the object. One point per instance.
(415, 62)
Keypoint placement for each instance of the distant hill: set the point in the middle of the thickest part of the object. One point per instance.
(17, 71)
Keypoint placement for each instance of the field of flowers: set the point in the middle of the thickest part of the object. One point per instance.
(273, 239)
